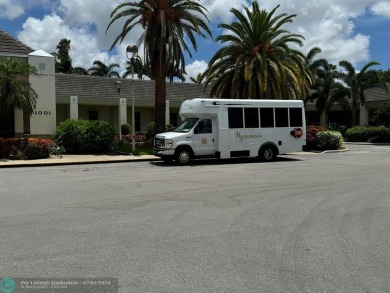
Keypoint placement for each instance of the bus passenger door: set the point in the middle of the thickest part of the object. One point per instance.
(204, 138)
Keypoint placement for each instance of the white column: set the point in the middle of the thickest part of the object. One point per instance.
(363, 115)
(167, 113)
(19, 122)
(122, 110)
(74, 107)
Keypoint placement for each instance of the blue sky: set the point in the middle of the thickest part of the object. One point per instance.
(355, 30)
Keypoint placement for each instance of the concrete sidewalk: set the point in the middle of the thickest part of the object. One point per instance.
(76, 160)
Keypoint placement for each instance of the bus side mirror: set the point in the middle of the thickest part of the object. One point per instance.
(196, 130)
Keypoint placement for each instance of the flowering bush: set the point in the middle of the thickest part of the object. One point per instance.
(139, 137)
(27, 148)
(320, 139)
(311, 132)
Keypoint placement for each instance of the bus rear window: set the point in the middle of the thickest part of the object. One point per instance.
(296, 117)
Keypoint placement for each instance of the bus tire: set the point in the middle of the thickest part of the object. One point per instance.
(268, 153)
(183, 155)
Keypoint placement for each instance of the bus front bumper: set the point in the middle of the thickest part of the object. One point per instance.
(163, 152)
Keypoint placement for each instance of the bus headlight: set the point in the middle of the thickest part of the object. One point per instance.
(168, 143)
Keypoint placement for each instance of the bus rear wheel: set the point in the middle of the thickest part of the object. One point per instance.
(267, 153)
(183, 156)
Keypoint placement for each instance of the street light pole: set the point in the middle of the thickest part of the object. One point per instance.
(134, 51)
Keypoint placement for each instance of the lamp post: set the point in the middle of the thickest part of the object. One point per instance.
(118, 86)
(134, 50)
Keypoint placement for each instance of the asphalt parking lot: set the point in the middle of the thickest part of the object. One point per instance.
(305, 223)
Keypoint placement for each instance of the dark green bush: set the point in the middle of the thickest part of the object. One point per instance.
(328, 140)
(368, 134)
(125, 129)
(150, 129)
(382, 115)
(82, 136)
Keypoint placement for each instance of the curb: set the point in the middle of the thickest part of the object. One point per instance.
(42, 164)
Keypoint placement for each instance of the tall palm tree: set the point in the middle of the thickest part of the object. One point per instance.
(101, 69)
(80, 71)
(140, 69)
(63, 61)
(327, 90)
(167, 25)
(257, 61)
(198, 79)
(358, 82)
(15, 89)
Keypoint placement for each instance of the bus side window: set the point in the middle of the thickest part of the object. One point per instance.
(281, 117)
(266, 117)
(235, 118)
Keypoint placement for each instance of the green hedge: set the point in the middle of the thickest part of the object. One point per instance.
(85, 137)
(368, 134)
(328, 140)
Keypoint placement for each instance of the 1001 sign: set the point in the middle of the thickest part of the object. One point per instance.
(42, 113)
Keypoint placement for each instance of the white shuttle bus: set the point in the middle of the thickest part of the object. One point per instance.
(223, 128)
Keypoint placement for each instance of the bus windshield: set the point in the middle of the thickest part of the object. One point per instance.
(186, 125)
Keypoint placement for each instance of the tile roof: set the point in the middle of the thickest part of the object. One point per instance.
(377, 94)
(104, 87)
(11, 46)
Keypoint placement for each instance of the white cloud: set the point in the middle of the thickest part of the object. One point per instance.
(219, 10)
(381, 8)
(10, 9)
(85, 27)
(193, 69)
(328, 24)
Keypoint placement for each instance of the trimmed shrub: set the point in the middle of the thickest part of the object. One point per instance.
(368, 134)
(150, 130)
(85, 137)
(328, 140)
(27, 148)
(125, 129)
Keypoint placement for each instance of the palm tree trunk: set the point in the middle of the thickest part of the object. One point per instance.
(159, 104)
(160, 89)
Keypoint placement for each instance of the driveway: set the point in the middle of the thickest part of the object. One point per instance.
(305, 223)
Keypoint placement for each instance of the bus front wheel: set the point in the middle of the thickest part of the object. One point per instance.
(183, 156)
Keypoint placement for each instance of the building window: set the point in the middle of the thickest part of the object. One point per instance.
(93, 115)
(173, 119)
(137, 121)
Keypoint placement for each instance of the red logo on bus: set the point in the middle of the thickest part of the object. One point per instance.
(297, 133)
